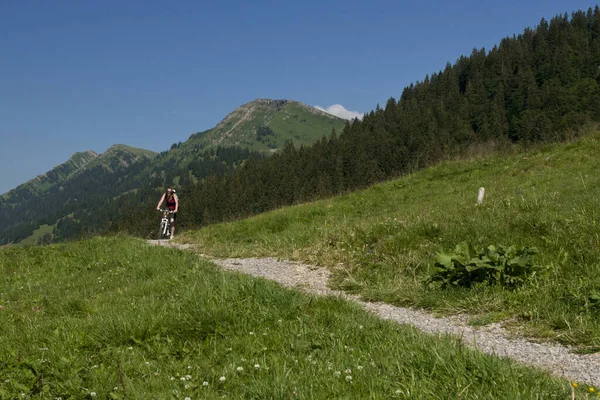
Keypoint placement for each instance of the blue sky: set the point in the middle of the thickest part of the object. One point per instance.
(83, 75)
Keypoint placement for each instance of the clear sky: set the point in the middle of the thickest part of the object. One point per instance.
(83, 74)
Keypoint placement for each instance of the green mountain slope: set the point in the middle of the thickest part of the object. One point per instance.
(265, 125)
(85, 181)
(55, 176)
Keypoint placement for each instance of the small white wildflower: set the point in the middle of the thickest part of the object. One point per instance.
(240, 369)
(264, 349)
(337, 373)
(279, 321)
(360, 327)
(204, 383)
(115, 388)
(186, 386)
(182, 378)
(93, 394)
(147, 363)
(43, 348)
(6, 381)
(257, 366)
(94, 366)
(188, 377)
(189, 367)
(222, 379)
(229, 349)
(251, 333)
(348, 371)
(398, 391)
(360, 367)
(348, 378)
(23, 394)
(172, 378)
(188, 398)
(130, 348)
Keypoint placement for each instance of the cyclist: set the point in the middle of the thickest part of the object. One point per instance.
(173, 204)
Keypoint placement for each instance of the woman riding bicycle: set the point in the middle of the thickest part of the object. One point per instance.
(173, 204)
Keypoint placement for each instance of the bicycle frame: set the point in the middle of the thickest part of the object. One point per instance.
(165, 224)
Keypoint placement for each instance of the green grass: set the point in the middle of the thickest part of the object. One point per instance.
(37, 234)
(114, 318)
(303, 127)
(381, 242)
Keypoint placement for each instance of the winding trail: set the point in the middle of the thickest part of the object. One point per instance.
(491, 339)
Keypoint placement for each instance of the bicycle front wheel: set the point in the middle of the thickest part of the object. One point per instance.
(162, 230)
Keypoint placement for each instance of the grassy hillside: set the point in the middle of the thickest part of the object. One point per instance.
(113, 318)
(382, 242)
(286, 120)
(34, 239)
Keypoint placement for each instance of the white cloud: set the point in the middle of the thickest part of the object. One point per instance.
(340, 111)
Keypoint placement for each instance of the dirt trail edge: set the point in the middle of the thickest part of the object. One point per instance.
(490, 339)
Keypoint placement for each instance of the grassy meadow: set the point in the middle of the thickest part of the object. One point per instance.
(115, 318)
(382, 242)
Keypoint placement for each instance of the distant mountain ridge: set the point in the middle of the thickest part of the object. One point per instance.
(77, 163)
(68, 188)
(60, 172)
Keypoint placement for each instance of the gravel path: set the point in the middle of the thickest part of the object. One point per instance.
(490, 339)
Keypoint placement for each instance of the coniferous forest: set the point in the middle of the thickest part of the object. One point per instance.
(539, 86)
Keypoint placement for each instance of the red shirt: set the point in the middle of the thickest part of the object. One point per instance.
(171, 202)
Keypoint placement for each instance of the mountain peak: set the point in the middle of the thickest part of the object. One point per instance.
(270, 101)
(128, 149)
(266, 125)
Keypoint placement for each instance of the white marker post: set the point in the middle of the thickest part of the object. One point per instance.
(480, 196)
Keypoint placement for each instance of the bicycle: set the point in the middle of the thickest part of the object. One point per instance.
(164, 232)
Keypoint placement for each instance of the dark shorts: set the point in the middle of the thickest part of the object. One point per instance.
(173, 218)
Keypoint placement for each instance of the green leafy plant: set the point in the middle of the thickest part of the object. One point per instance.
(493, 265)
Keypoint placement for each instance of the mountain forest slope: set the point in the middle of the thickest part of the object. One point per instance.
(69, 188)
(78, 197)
